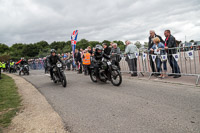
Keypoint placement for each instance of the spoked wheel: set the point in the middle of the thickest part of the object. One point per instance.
(64, 81)
(116, 78)
(93, 76)
(54, 78)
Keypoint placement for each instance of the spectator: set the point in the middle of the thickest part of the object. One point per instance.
(115, 55)
(86, 62)
(150, 44)
(89, 50)
(170, 44)
(158, 47)
(93, 51)
(69, 61)
(130, 51)
(111, 44)
(78, 60)
(107, 49)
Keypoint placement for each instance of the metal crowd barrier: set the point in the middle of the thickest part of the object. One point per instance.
(188, 59)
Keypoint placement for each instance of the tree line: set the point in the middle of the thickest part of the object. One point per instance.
(42, 48)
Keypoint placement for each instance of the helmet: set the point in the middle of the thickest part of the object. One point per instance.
(53, 51)
(105, 44)
(98, 47)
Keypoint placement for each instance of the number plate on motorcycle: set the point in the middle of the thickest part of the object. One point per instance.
(109, 63)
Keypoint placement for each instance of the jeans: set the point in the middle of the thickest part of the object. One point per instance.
(159, 65)
(174, 65)
(152, 64)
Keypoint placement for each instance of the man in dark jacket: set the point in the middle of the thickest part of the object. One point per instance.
(107, 49)
(77, 57)
(170, 43)
(115, 55)
(150, 44)
(52, 60)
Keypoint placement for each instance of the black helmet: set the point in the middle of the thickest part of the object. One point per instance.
(98, 47)
(53, 51)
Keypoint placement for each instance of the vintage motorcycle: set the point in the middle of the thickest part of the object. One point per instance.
(106, 71)
(58, 74)
(25, 70)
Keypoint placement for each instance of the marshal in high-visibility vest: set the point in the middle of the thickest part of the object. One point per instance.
(4, 65)
(86, 59)
(0, 65)
(12, 63)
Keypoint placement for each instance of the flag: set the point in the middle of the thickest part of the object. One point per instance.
(190, 54)
(153, 57)
(74, 36)
(144, 56)
(136, 55)
(164, 57)
(176, 56)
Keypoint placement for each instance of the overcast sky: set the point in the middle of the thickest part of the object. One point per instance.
(29, 21)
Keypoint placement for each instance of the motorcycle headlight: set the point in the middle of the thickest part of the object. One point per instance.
(59, 65)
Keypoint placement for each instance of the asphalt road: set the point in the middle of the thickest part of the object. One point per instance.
(137, 106)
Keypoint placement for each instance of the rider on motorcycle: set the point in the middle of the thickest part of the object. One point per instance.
(52, 60)
(98, 55)
(22, 62)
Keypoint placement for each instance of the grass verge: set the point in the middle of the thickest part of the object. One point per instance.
(9, 101)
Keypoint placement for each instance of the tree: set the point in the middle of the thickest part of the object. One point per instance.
(83, 43)
(3, 48)
(93, 44)
(57, 45)
(146, 45)
(191, 40)
(42, 45)
(16, 50)
(68, 47)
(30, 50)
(107, 42)
(138, 44)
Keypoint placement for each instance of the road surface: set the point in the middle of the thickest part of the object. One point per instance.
(137, 106)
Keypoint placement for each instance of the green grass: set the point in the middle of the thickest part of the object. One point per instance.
(9, 101)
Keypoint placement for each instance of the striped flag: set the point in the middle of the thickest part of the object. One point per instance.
(74, 36)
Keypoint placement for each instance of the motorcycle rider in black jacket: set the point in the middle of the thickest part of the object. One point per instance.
(98, 55)
(52, 60)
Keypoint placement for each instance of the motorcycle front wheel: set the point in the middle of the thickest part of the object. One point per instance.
(54, 78)
(116, 78)
(63, 81)
(93, 76)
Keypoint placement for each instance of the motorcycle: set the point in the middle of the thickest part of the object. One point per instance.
(106, 71)
(25, 70)
(58, 74)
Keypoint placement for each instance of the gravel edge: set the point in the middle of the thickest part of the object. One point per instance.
(36, 115)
